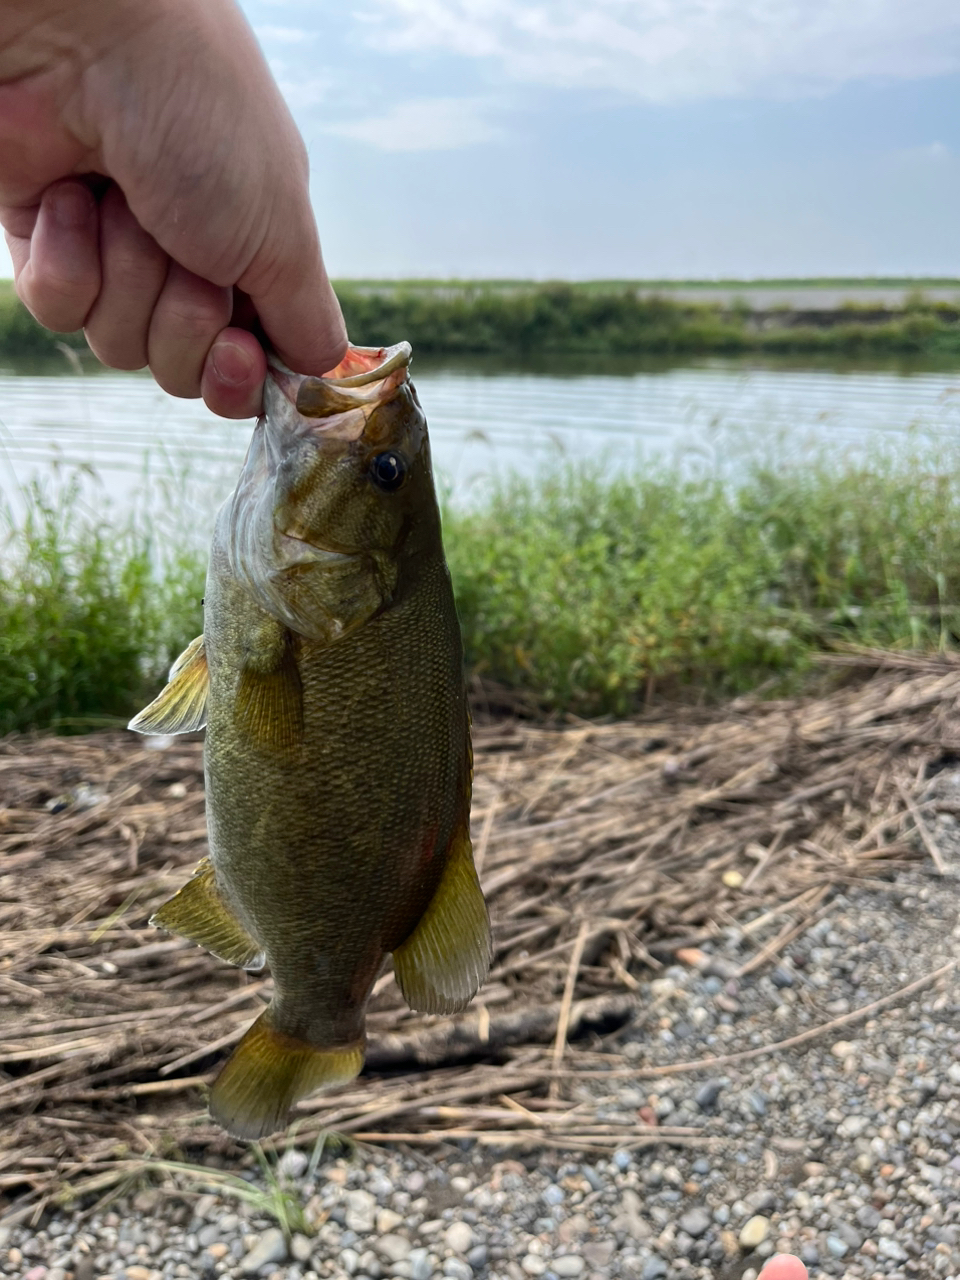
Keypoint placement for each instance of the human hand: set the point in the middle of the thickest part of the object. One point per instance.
(784, 1266)
(201, 224)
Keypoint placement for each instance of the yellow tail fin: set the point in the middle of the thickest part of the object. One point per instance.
(268, 1072)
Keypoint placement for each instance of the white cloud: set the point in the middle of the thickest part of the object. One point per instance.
(676, 50)
(424, 124)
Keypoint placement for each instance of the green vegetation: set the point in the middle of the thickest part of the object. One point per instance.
(520, 319)
(580, 592)
(91, 614)
(516, 319)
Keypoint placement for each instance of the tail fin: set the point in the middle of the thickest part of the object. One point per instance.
(268, 1072)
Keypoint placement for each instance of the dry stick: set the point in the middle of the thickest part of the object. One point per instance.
(563, 1021)
(929, 843)
(845, 1020)
(784, 937)
(480, 855)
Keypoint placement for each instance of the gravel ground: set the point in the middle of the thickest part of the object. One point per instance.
(845, 1150)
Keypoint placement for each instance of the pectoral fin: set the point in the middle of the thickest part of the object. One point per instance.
(440, 967)
(199, 913)
(181, 706)
(269, 697)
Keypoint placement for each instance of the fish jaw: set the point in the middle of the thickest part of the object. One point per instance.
(342, 399)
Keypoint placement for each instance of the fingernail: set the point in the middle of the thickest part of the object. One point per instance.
(70, 205)
(231, 363)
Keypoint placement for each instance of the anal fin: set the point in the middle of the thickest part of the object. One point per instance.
(268, 1072)
(198, 912)
(181, 706)
(440, 967)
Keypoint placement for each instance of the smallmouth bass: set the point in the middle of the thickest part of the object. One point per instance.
(337, 755)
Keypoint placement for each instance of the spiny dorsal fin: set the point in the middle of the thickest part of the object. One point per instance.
(440, 967)
(268, 1072)
(199, 913)
(181, 706)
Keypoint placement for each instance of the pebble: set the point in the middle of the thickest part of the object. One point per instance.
(844, 1152)
(456, 1269)
(271, 1247)
(393, 1247)
(695, 1222)
(754, 1231)
(459, 1237)
(569, 1265)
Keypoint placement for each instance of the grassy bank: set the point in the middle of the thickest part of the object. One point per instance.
(625, 320)
(521, 319)
(582, 593)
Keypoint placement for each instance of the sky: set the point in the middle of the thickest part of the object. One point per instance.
(626, 138)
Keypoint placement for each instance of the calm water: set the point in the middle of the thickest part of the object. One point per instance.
(134, 439)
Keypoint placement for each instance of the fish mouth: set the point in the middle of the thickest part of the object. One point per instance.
(341, 400)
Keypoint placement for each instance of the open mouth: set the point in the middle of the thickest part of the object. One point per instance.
(364, 378)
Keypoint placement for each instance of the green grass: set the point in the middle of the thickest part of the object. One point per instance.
(91, 613)
(583, 592)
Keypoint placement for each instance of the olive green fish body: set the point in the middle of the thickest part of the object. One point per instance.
(337, 755)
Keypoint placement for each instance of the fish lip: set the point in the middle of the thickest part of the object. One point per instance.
(339, 402)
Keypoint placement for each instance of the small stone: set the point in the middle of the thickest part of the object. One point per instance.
(843, 1049)
(293, 1164)
(218, 1250)
(38, 1273)
(622, 1159)
(57, 1273)
(14, 1259)
(533, 1264)
(888, 1248)
(388, 1220)
(754, 1231)
(571, 1264)
(695, 1222)
(459, 1237)
(360, 1208)
(836, 1247)
(598, 1253)
(271, 1247)
(457, 1269)
(350, 1261)
(707, 1095)
(732, 879)
(781, 977)
(301, 1247)
(418, 1261)
(208, 1235)
(868, 1217)
(654, 1268)
(553, 1195)
(393, 1247)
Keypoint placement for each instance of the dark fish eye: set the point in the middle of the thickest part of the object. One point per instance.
(388, 471)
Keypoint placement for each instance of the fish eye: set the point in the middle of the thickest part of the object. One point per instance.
(388, 471)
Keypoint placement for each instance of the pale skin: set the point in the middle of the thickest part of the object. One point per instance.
(154, 192)
(196, 229)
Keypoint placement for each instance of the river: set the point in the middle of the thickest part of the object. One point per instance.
(132, 440)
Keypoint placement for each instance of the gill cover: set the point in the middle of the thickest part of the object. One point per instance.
(306, 532)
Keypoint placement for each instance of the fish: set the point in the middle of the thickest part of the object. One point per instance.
(337, 759)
